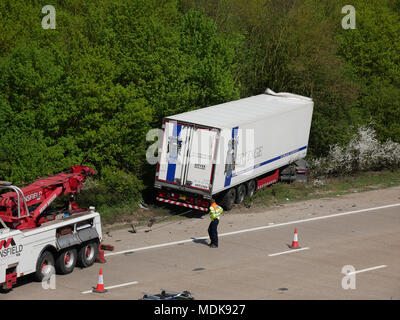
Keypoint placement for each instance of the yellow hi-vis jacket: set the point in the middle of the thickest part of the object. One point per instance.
(215, 211)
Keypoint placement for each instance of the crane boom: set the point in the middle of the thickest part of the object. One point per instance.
(23, 208)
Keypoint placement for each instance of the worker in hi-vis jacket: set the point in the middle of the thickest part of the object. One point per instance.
(215, 213)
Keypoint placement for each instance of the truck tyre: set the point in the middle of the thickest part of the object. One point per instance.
(66, 261)
(229, 199)
(87, 254)
(240, 193)
(251, 187)
(44, 266)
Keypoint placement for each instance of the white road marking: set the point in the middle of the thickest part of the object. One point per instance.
(254, 229)
(155, 246)
(368, 269)
(116, 286)
(285, 252)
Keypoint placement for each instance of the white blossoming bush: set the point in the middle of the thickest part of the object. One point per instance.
(364, 152)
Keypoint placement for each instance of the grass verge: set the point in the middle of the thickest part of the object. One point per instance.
(318, 188)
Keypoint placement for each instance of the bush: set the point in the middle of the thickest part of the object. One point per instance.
(364, 152)
(115, 187)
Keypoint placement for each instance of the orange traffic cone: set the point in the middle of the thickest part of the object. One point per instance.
(100, 284)
(295, 242)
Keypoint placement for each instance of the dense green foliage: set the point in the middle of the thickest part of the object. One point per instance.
(89, 91)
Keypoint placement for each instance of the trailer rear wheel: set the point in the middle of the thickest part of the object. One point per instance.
(229, 199)
(251, 187)
(44, 266)
(87, 254)
(240, 193)
(66, 261)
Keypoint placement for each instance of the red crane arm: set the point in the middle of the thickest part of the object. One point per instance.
(40, 193)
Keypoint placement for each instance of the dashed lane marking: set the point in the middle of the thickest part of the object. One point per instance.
(113, 287)
(368, 269)
(289, 251)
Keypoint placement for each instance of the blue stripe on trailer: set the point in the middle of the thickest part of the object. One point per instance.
(228, 180)
(172, 159)
(235, 132)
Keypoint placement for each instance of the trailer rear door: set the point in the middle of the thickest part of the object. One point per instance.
(187, 155)
(199, 168)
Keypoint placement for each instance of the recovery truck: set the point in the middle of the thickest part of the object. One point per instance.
(230, 150)
(37, 239)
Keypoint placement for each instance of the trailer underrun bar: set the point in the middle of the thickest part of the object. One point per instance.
(182, 204)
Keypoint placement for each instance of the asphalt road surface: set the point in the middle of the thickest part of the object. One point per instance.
(253, 261)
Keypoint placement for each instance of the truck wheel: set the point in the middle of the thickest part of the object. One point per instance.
(240, 193)
(87, 254)
(44, 266)
(229, 199)
(251, 187)
(66, 261)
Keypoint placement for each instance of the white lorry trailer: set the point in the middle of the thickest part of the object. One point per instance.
(232, 149)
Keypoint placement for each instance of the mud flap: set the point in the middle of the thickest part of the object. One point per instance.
(11, 279)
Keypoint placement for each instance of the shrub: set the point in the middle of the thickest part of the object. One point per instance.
(364, 152)
(115, 187)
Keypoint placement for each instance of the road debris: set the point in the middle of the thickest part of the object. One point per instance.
(143, 206)
(168, 295)
(151, 222)
(133, 228)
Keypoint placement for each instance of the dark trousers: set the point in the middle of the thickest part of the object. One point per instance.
(213, 232)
